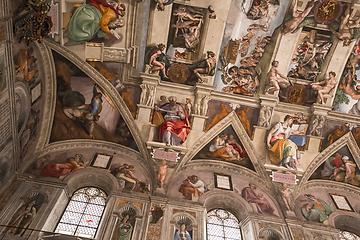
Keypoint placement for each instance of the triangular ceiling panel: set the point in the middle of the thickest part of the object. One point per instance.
(226, 146)
(340, 167)
(338, 163)
(84, 110)
(229, 125)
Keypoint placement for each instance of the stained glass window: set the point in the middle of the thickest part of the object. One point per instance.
(222, 225)
(344, 235)
(83, 213)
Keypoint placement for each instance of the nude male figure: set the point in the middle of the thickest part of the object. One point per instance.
(156, 65)
(291, 25)
(273, 79)
(349, 89)
(344, 33)
(210, 64)
(329, 82)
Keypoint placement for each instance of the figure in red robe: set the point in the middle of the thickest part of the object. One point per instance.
(263, 206)
(174, 130)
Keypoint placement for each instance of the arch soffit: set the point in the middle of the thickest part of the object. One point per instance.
(123, 207)
(49, 101)
(346, 140)
(108, 88)
(233, 120)
(264, 232)
(178, 215)
(230, 202)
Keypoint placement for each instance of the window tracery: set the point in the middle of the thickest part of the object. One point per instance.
(222, 225)
(83, 213)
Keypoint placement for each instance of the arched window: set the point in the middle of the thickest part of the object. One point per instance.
(222, 225)
(83, 213)
(344, 235)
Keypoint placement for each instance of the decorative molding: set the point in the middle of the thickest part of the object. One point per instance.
(116, 55)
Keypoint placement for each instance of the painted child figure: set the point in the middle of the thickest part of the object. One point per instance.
(162, 173)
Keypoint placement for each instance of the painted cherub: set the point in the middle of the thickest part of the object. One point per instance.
(162, 173)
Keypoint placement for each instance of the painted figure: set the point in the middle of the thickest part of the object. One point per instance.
(162, 3)
(348, 87)
(244, 121)
(331, 164)
(76, 109)
(124, 172)
(110, 76)
(345, 32)
(282, 150)
(220, 148)
(71, 165)
(263, 206)
(154, 64)
(126, 96)
(176, 127)
(329, 84)
(335, 135)
(26, 64)
(192, 186)
(188, 106)
(123, 229)
(22, 218)
(182, 234)
(234, 143)
(210, 65)
(273, 80)
(92, 20)
(291, 25)
(162, 173)
(286, 194)
(223, 113)
(316, 209)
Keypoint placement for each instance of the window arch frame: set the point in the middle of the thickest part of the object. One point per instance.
(101, 193)
(234, 217)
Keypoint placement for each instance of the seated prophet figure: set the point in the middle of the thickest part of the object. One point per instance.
(281, 149)
(174, 130)
(263, 206)
(93, 20)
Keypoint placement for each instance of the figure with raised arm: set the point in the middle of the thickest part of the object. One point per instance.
(273, 79)
(344, 33)
(291, 25)
(329, 84)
